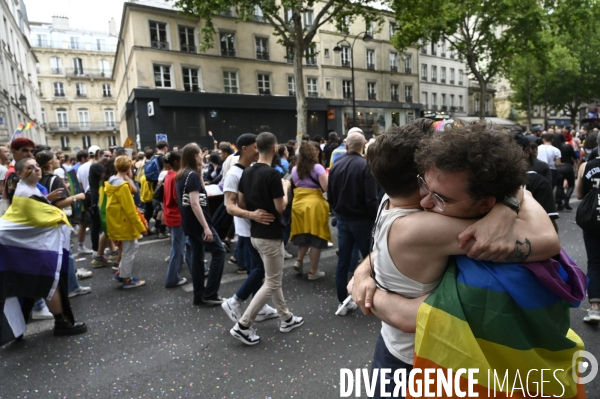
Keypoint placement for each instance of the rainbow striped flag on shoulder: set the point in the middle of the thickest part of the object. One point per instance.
(74, 189)
(34, 250)
(505, 320)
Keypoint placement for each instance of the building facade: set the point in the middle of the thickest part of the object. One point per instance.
(245, 83)
(443, 81)
(19, 99)
(74, 68)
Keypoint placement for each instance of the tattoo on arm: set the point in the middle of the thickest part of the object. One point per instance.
(521, 252)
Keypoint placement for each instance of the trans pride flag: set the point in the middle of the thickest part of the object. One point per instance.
(504, 318)
(34, 250)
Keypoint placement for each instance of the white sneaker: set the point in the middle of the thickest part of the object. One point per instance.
(329, 245)
(80, 291)
(287, 255)
(247, 336)
(298, 267)
(167, 259)
(82, 251)
(287, 326)
(267, 312)
(83, 273)
(319, 274)
(593, 316)
(349, 307)
(182, 281)
(43, 314)
(232, 308)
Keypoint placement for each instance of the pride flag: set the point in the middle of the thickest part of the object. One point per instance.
(504, 318)
(75, 189)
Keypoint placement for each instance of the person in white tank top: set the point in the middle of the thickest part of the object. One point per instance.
(411, 247)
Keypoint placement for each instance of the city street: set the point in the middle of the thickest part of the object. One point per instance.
(151, 342)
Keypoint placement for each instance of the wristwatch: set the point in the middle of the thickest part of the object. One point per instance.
(512, 203)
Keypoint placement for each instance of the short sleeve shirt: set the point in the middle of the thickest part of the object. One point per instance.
(190, 182)
(260, 185)
(307, 182)
(548, 154)
(232, 181)
(541, 190)
(83, 174)
(53, 182)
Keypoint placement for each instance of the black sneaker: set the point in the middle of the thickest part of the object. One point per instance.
(247, 336)
(213, 301)
(65, 327)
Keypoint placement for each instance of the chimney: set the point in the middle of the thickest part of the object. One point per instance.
(112, 27)
(60, 22)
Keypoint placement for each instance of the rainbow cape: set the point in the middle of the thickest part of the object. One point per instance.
(507, 319)
(75, 189)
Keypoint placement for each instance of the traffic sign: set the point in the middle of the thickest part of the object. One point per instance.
(129, 143)
(161, 137)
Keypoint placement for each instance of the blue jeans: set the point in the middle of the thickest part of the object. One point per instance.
(72, 281)
(592, 248)
(384, 359)
(351, 233)
(179, 248)
(255, 267)
(217, 249)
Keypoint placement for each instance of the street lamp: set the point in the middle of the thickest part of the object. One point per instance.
(337, 49)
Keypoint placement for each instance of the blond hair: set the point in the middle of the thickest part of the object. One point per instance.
(122, 163)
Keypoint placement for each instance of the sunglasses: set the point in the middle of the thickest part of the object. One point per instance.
(439, 203)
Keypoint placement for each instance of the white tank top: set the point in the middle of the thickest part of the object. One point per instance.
(399, 343)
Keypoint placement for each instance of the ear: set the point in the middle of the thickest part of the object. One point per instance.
(485, 205)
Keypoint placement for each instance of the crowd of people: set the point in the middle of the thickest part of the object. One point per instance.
(466, 179)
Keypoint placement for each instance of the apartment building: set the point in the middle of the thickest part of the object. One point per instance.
(76, 86)
(245, 83)
(19, 99)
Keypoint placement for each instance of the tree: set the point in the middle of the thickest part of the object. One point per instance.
(485, 34)
(287, 19)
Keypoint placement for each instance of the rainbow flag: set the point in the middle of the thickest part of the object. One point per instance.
(505, 319)
(19, 129)
(29, 125)
(74, 189)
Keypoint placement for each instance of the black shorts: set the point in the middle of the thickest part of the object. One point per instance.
(84, 217)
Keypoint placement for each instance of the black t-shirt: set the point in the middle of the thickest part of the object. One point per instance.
(541, 190)
(327, 150)
(52, 183)
(593, 154)
(190, 182)
(260, 185)
(567, 153)
(96, 171)
(542, 168)
(591, 175)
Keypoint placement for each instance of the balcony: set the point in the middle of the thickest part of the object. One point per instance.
(312, 94)
(452, 55)
(461, 109)
(226, 12)
(264, 92)
(433, 108)
(311, 61)
(289, 59)
(452, 108)
(159, 45)
(442, 80)
(262, 55)
(395, 97)
(291, 93)
(346, 63)
(409, 99)
(408, 70)
(451, 81)
(59, 94)
(371, 67)
(393, 68)
(373, 96)
(56, 71)
(89, 73)
(434, 79)
(347, 95)
(187, 48)
(74, 46)
(81, 126)
(424, 78)
(460, 83)
(81, 95)
(227, 52)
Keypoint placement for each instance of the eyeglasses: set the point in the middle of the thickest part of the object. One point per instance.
(439, 203)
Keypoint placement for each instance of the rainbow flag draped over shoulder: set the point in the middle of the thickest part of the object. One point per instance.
(34, 250)
(75, 189)
(504, 318)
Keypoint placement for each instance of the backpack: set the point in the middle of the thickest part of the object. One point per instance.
(146, 190)
(152, 169)
(588, 212)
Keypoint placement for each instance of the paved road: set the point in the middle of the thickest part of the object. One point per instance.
(152, 342)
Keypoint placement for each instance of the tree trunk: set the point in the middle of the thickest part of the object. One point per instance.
(528, 106)
(301, 103)
(483, 94)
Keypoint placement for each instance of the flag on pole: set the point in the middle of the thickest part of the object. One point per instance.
(29, 125)
(19, 129)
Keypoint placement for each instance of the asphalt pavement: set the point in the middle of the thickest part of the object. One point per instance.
(151, 342)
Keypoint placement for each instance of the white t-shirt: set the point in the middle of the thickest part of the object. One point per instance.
(162, 176)
(25, 190)
(83, 174)
(229, 162)
(60, 172)
(232, 181)
(548, 154)
(3, 170)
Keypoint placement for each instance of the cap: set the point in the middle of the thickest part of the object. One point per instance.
(93, 149)
(244, 140)
(536, 129)
(356, 130)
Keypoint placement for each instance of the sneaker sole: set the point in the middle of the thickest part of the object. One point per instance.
(240, 337)
(126, 287)
(211, 302)
(290, 328)
(230, 313)
(80, 293)
(73, 331)
(261, 317)
(591, 320)
(84, 277)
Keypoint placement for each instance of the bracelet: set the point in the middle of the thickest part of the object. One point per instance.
(73, 198)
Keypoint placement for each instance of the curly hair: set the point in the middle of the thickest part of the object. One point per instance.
(391, 157)
(495, 165)
(307, 158)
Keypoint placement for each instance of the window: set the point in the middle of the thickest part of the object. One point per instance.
(347, 89)
(443, 74)
(433, 73)
(112, 141)
(408, 63)
(326, 53)
(55, 65)
(372, 90)
(289, 55)
(477, 105)
(262, 48)
(443, 101)
(433, 48)
(452, 101)
(65, 143)
(424, 72)
(408, 93)
(162, 76)
(158, 35)
(424, 99)
(101, 45)
(394, 92)
(80, 89)
(311, 87)
(460, 102)
(345, 25)
(59, 89)
(310, 55)
(308, 19)
(227, 44)
(84, 117)
(190, 79)
(230, 82)
(75, 43)
(291, 83)
(451, 76)
(345, 53)
(264, 84)
(86, 141)
(106, 90)
(434, 100)
(392, 29)
(460, 76)
(186, 39)
(62, 118)
(44, 116)
(394, 62)
(369, 28)
(258, 14)
(327, 85)
(443, 46)
(77, 66)
(423, 46)
(42, 41)
(109, 118)
(371, 59)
